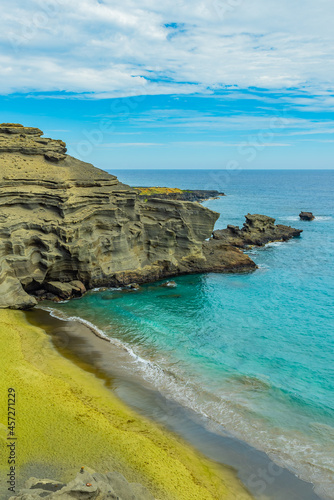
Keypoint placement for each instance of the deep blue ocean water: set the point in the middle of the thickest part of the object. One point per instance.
(254, 352)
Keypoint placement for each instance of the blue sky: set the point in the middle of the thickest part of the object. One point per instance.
(215, 84)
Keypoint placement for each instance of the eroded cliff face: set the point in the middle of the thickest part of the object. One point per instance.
(62, 220)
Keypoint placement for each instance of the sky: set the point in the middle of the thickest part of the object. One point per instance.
(216, 84)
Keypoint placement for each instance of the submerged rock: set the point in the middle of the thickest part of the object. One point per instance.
(86, 485)
(306, 216)
(257, 230)
(171, 284)
(63, 220)
(133, 286)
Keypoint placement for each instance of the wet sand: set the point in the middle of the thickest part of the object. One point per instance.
(84, 347)
(68, 416)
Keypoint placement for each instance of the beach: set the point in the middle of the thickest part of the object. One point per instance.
(67, 417)
(85, 345)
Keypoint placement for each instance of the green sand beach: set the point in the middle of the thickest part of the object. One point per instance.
(66, 417)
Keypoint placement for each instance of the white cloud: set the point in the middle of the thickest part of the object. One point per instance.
(108, 48)
(280, 123)
(187, 143)
(130, 144)
(227, 144)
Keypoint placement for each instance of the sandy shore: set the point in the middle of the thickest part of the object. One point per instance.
(66, 417)
(81, 343)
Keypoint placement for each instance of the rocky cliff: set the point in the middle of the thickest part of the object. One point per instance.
(63, 220)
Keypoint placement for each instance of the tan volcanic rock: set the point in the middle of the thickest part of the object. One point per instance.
(66, 220)
(15, 138)
(87, 485)
(258, 230)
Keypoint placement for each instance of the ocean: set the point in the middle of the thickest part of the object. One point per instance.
(251, 354)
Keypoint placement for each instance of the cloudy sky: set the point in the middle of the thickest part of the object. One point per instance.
(192, 84)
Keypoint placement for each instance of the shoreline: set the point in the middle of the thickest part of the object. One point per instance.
(68, 417)
(224, 449)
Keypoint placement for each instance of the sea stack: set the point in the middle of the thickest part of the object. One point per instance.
(306, 216)
(64, 221)
(258, 230)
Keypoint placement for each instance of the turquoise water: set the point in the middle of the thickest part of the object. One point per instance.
(252, 352)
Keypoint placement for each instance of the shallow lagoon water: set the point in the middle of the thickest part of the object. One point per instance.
(252, 352)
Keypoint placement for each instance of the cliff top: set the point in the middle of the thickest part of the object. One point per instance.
(27, 156)
(15, 138)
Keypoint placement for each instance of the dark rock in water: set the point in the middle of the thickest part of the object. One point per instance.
(171, 284)
(306, 216)
(86, 485)
(133, 286)
(257, 230)
(110, 296)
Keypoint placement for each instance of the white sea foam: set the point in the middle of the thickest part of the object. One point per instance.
(323, 217)
(263, 267)
(294, 218)
(111, 289)
(276, 244)
(97, 331)
(301, 454)
(297, 453)
(289, 449)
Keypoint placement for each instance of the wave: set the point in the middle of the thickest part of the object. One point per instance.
(253, 383)
(276, 244)
(102, 288)
(295, 218)
(302, 454)
(97, 331)
(291, 218)
(323, 217)
(263, 267)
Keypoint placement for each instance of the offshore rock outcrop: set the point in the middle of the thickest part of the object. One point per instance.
(257, 230)
(86, 485)
(198, 195)
(306, 216)
(64, 221)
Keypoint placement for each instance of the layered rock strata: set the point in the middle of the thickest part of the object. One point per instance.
(257, 230)
(15, 138)
(63, 220)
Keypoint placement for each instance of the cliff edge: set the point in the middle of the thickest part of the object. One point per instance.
(63, 220)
